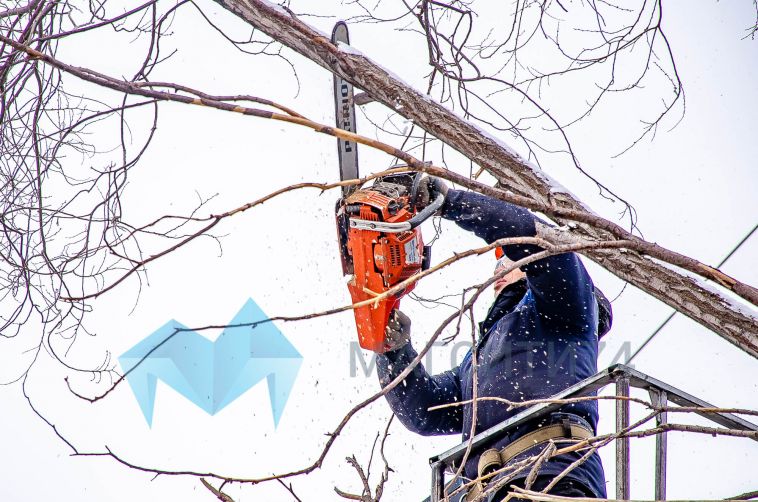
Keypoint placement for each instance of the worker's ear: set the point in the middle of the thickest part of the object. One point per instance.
(604, 313)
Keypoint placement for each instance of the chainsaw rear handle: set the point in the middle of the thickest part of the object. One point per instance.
(396, 228)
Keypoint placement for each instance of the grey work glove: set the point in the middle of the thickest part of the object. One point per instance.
(398, 331)
(428, 191)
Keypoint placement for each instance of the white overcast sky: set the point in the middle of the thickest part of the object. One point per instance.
(693, 188)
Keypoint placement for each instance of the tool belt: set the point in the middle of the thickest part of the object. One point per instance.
(493, 459)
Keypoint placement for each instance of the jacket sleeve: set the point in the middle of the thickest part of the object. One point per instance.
(560, 284)
(412, 398)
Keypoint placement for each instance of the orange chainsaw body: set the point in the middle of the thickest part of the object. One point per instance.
(379, 260)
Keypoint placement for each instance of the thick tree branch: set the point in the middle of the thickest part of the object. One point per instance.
(707, 307)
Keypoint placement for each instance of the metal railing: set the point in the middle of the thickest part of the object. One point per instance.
(624, 378)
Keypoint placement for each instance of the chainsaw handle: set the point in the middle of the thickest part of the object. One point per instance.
(403, 226)
(428, 211)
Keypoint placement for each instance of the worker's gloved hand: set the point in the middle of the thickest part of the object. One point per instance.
(428, 191)
(398, 331)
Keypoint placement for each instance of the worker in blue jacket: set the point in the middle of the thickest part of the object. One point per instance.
(539, 337)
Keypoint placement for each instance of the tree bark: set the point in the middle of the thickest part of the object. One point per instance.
(722, 315)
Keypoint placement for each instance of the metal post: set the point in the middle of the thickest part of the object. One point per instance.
(622, 444)
(660, 400)
(438, 481)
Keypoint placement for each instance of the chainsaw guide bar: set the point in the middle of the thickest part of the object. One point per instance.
(380, 240)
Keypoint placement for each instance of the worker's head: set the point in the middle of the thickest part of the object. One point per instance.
(511, 277)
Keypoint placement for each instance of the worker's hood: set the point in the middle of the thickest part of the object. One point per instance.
(604, 313)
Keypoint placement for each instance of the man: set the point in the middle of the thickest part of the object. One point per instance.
(539, 337)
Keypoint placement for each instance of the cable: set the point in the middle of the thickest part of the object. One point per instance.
(664, 323)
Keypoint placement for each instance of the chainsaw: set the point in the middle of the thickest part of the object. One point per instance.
(378, 227)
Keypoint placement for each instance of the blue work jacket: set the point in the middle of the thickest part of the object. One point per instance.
(539, 338)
